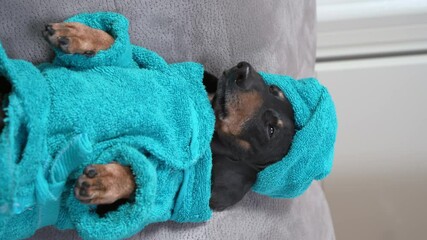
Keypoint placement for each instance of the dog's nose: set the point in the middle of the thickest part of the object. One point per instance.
(49, 29)
(243, 70)
(242, 64)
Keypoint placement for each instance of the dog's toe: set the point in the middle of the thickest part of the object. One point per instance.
(83, 192)
(63, 41)
(90, 171)
(87, 189)
(49, 29)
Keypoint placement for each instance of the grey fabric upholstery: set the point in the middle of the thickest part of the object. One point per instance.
(255, 218)
(274, 36)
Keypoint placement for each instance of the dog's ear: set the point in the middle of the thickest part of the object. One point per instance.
(231, 180)
(210, 82)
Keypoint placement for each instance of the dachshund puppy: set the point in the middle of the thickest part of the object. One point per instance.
(254, 128)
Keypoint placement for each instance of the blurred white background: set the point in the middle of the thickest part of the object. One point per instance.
(372, 55)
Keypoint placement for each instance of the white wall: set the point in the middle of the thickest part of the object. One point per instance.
(375, 66)
(349, 28)
(377, 189)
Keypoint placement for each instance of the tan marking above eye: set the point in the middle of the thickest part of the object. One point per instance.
(281, 95)
(280, 123)
(277, 92)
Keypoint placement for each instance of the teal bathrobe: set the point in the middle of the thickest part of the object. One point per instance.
(126, 104)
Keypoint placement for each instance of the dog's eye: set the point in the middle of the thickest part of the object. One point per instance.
(270, 130)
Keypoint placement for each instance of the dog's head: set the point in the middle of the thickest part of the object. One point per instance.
(255, 121)
(255, 127)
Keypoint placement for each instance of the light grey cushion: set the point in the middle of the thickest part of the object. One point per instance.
(274, 36)
(256, 217)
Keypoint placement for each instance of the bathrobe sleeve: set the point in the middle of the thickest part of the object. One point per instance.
(160, 153)
(121, 54)
(118, 224)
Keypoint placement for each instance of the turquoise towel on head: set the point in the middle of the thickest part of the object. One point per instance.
(310, 156)
(124, 104)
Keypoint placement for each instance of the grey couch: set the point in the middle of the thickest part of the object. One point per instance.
(275, 36)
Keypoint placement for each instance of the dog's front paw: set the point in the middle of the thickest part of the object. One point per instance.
(77, 38)
(104, 184)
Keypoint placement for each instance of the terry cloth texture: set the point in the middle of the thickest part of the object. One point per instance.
(125, 104)
(310, 156)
